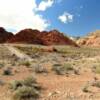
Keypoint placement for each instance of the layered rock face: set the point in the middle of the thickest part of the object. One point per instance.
(93, 39)
(56, 38)
(30, 36)
(4, 35)
(53, 37)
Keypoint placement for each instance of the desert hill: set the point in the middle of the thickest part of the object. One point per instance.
(53, 37)
(26, 36)
(4, 35)
(92, 39)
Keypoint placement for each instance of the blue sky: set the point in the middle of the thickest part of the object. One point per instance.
(86, 16)
(72, 17)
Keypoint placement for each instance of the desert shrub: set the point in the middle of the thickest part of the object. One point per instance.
(14, 85)
(27, 89)
(85, 89)
(25, 93)
(97, 84)
(7, 72)
(31, 82)
(40, 69)
(25, 63)
(76, 71)
(2, 82)
(29, 50)
(63, 69)
(57, 65)
(1, 65)
(97, 70)
(57, 69)
(68, 67)
(13, 63)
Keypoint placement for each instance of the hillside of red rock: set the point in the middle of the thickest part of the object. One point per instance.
(4, 35)
(28, 36)
(92, 39)
(53, 37)
(56, 38)
(31, 36)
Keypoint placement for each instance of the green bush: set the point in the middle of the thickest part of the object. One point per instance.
(25, 63)
(14, 85)
(97, 70)
(68, 67)
(31, 82)
(27, 89)
(25, 93)
(62, 69)
(57, 69)
(1, 65)
(97, 84)
(40, 69)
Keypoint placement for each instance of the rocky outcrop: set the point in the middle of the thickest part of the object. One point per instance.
(4, 35)
(53, 37)
(92, 39)
(28, 36)
(31, 36)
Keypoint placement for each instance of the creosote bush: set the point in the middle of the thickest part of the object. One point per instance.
(40, 69)
(25, 63)
(85, 89)
(25, 93)
(7, 72)
(63, 69)
(27, 89)
(1, 65)
(97, 84)
(14, 85)
(97, 69)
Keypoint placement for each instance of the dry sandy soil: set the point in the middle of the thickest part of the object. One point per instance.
(68, 86)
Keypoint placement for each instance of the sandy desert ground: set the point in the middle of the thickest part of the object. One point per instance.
(61, 72)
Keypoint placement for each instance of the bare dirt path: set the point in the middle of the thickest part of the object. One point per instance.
(19, 54)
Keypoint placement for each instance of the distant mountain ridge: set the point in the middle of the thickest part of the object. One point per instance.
(30, 36)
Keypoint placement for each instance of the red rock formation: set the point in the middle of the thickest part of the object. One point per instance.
(56, 38)
(53, 37)
(4, 35)
(26, 36)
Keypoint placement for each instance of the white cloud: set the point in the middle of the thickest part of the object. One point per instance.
(45, 4)
(66, 17)
(20, 14)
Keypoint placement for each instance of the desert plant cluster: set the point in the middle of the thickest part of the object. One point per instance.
(58, 71)
(27, 89)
